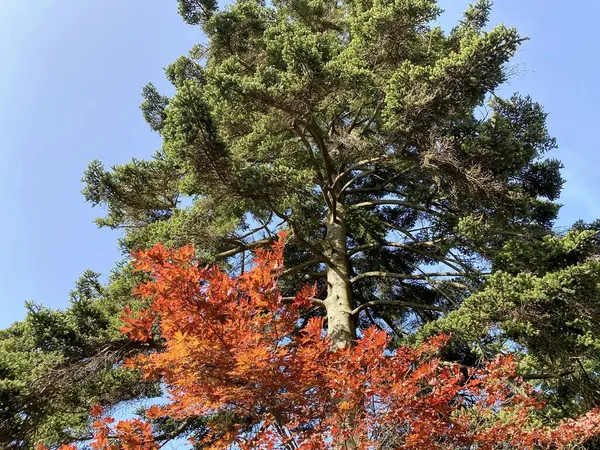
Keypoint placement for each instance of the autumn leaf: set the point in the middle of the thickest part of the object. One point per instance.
(234, 355)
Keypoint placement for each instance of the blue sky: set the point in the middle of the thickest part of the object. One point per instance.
(70, 83)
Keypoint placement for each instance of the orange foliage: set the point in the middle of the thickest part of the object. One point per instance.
(235, 353)
(134, 434)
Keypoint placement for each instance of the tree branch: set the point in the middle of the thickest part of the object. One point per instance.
(244, 247)
(400, 304)
(263, 226)
(400, 203)
(316, 166)
(450, 262)
(372, 118)
(404, 276)
(361, 163)
(366, 173)
(315, 131)
(299, 267)
(315, 301)
(355, 121)
(547, 376)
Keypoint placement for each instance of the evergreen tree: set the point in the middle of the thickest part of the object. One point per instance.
(55, 365)
(359, 127)
(416, 199)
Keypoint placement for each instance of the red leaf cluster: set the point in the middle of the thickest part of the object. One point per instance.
(236, 354)
(133, 434)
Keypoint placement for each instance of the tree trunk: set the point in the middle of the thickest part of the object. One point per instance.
(341, 326)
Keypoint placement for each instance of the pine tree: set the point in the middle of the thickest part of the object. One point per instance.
(416, 199)
(359, 127)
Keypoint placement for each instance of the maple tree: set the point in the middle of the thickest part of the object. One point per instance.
(240, 354)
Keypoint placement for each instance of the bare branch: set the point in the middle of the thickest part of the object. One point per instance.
(374, 189)
(373, 117)
(366, 173)
(360, 248)
(450, 262)
(316, 166)
(244, 247)
(359, 164)
(264, 226)
(399, 304)
(299, 267)
(355, 121)
(400, 203)
(315, 131)
(404, 276)
(547, 376)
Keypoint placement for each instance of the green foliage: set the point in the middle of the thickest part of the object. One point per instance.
(141, 191)
(196, 11)
(543, 299)
(297, 111)
(55, 365)
(302, 113)
(153, 107)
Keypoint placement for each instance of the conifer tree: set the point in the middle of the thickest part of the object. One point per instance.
(371, 135)
(416, 199)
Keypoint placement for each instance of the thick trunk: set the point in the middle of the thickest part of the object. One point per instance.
(341, 325)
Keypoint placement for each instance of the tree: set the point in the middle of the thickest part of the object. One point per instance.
(239, 354)
(55, 365)
(355, 126)
(379, 142)
(416, 199)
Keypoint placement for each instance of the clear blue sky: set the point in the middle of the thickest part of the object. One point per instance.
(72, 72)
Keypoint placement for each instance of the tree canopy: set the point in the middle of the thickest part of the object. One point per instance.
(237, 354)
(416, 200)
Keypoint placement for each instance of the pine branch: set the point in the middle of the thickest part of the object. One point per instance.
(359, 164)
(547, 376)
(400, 203)
(404, 276)
(299, 267)
(399, 304)
(244, 247)
(316, 167)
